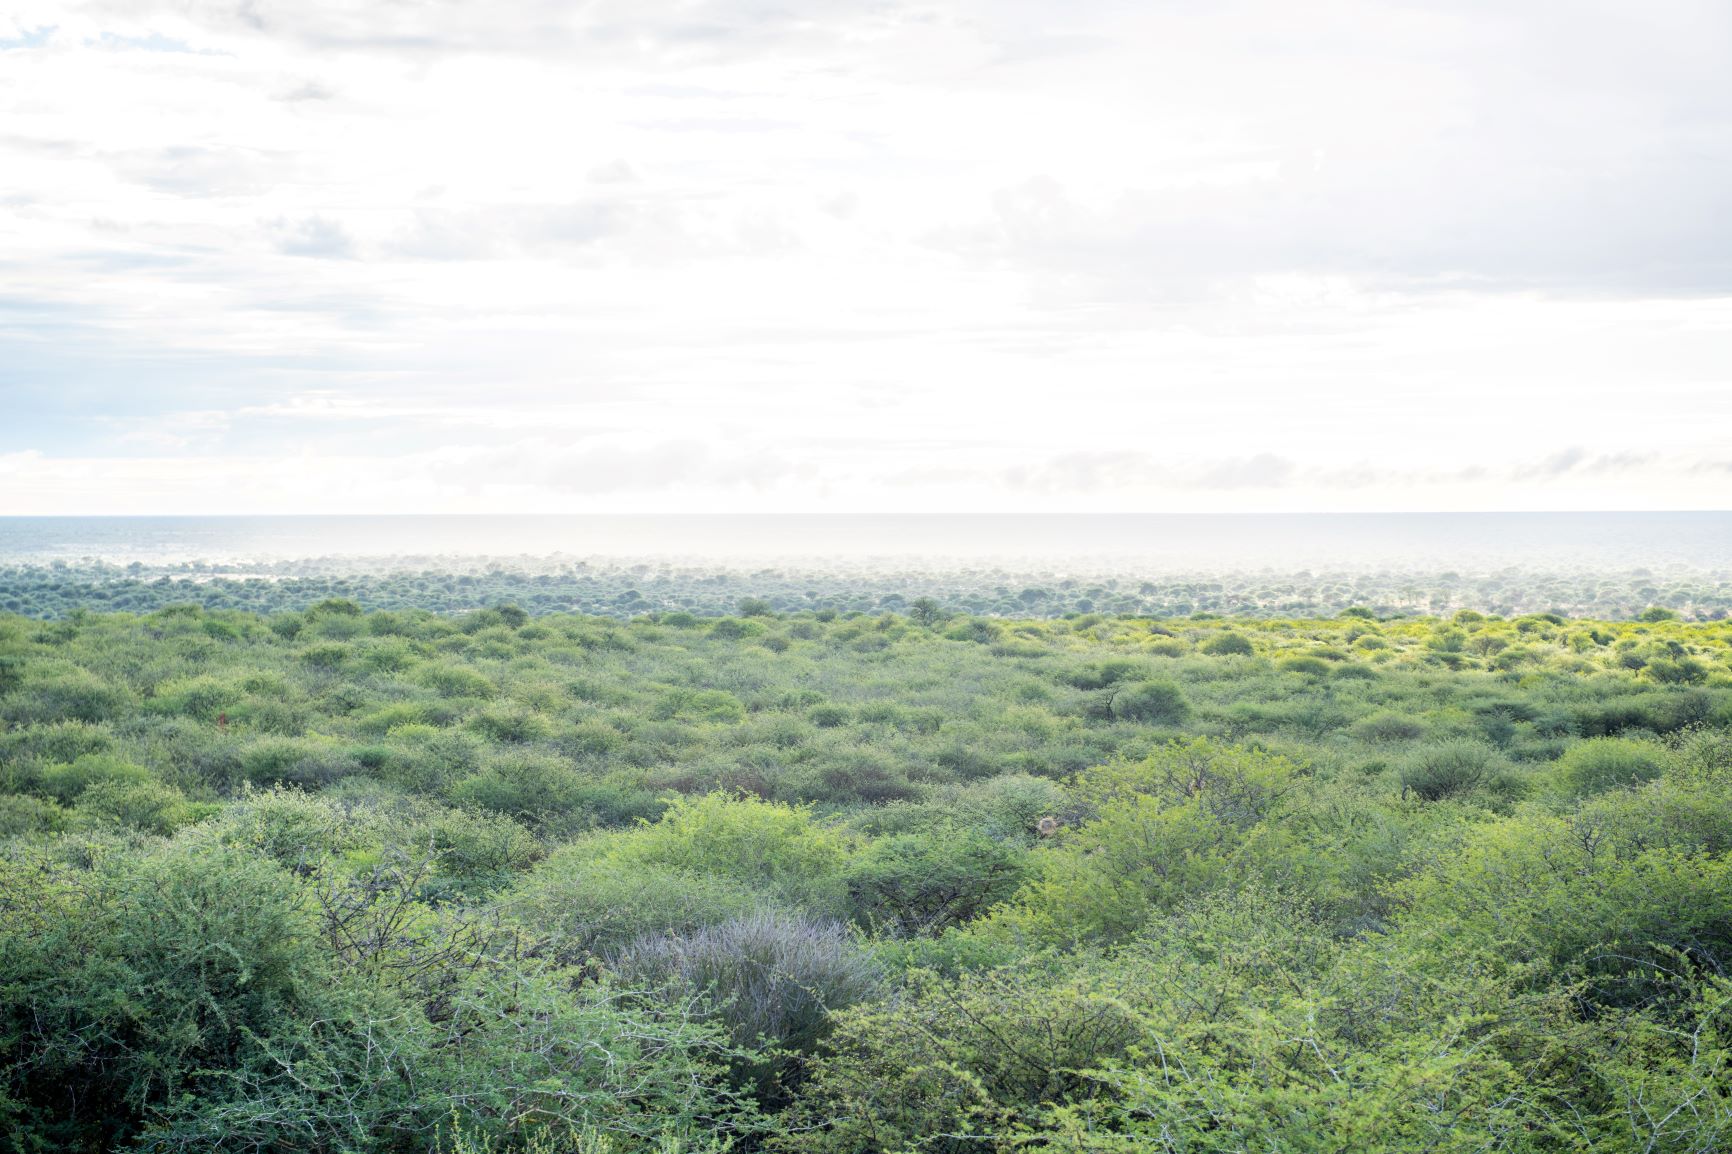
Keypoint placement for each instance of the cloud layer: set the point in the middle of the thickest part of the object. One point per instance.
(873, 254)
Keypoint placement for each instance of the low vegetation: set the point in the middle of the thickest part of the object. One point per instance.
(333, 879)
(624, 589)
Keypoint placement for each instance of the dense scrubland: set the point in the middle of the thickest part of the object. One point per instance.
(624, 589)
(821, 881)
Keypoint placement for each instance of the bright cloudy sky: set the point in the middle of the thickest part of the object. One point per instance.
(864, 255)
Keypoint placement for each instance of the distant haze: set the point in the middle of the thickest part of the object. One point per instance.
(1154, 543)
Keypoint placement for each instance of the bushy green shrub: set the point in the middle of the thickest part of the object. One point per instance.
(529, 786)
(453, 680)
(388, 717)
(512, 724)
(296, 761)
(923, 883)
(479, 852)
(65, 783)
(1149, 837)
(147, 806)
(49, 695)
(780, 848)
(1152, 703)
(296, 829)
(21, 814)
(1305, 665)
(1603, 763)
(1389, 726)
(1679, 670)
(582, 903)
(1447, 769)
(58, 741)
(1008, 805)
(1228, 645)
(708, 705)
(202, 697)
(828, 716)
(155, 984)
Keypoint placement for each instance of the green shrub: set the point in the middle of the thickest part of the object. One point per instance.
(388, 717)
(65, 783)
(1447, 769)
(481, 851)
(66, 695)
(1604, 763)
(828, 716)
(298, 830)
(21, 814)
(156, 984)
(1008, 805)
(329, 655)
(147, 806)
(705, 705)
(1680, 670)
(292, 761)
(528, 786)
(581, 903)
(926, 882)
(202, 697)
(512, 724)
(1151, 835)
(780, 848)
(1152, 703)
(453, 680)
(1046, 1051)
(1228, 645)
(55, 741)
(1388, 727)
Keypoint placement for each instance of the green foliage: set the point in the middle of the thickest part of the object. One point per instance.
(66, 783)
(147, 806)
(11, 674)
(1389, 727)
(21, 814)
(129, 990)
(838, 879)
(1153, 703)
(50, 694)
(926, 882)
(203, 697)
(828, 716)
(454, 681)
(530, 786)
(582, 904)
(1228, 645)
(780, 849)
(1447, 769)
(1604, 763)
(1158, 833)
(1307, 666)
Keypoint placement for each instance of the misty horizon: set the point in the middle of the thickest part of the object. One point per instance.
(1156, 543)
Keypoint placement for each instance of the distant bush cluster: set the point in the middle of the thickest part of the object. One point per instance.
(623, 589)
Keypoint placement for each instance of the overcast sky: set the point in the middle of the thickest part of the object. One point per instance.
(903, 255)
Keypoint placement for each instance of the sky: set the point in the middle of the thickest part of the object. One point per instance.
(280, 256)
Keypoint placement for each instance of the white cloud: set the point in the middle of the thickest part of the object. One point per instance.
(903, 253)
